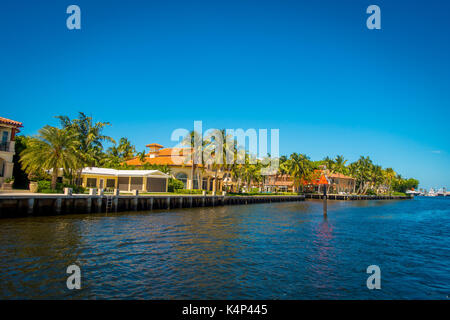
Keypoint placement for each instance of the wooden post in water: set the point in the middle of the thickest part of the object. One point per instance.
(325, 200)
(324, 182)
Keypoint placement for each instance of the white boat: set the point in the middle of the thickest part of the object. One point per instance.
(431, 193)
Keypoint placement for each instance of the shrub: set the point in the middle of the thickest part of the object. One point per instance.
(44, 186)
(186, 191)
(174, 185)
(8, 180)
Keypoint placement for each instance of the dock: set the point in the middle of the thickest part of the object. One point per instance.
(355, 197)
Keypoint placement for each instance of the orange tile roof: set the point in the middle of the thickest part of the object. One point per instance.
(167, 152)
(339, 175)
(154, 145)
(170, 161)
(284, 183)
(17, 124)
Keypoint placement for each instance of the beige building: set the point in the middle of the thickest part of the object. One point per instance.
(8, 130)
(125, 180)
(178, 160)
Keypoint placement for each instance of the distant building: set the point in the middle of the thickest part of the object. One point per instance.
(180, 164)
(278, 183)
(341, 183)
(8, 130)
(337, 182)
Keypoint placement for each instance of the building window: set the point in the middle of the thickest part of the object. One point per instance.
(110, 183)
(5, 136)
(4, 143)
(182, 177)
(91, 182)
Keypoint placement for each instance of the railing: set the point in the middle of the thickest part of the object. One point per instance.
(4, 146)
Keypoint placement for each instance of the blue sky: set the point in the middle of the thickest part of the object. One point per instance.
(311, 69)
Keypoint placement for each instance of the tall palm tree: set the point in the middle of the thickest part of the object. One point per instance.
(361, 170)
(118, 153)
(329, 163)
(389, 174)
(340, 164)
(51, 149)
(89, 135)
(194, 141)
(299, 167)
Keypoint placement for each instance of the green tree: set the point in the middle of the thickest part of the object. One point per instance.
(299, 167)
(51, 149)
(20, 177)
(89, 135)
(118, 153)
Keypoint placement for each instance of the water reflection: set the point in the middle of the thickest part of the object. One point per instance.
(262, 251)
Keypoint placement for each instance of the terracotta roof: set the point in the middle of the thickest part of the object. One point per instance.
(154, 145)
(167, 152)
(178, 161)
(339, 175)
(284, 183)
(17, 124)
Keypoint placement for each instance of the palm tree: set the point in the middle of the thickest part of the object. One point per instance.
(329, 163)
(361, 170)
(142, 156)
(340, 165)
(89, 135)
(90, 139)
(118, 153)
(389, 175)
(51, 149)
(299, 167)
(223, 148)
(194, 141)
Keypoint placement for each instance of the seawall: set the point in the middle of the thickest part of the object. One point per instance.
(50, 204)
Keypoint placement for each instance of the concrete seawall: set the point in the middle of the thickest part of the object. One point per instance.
(20, 205)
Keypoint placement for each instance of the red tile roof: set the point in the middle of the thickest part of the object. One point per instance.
(17, 124)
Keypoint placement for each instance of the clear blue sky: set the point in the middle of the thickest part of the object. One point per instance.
(311, 69)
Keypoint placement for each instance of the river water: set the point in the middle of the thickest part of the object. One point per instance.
(259, 251)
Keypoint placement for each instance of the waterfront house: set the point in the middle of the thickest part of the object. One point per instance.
(8, 130)
(125, 180)
(278, 183)
(180, 164)
(337, 182)
(341, 183)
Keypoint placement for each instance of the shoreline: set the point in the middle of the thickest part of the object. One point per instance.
(20, 205)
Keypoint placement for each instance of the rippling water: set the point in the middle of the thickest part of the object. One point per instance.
(260, 251)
